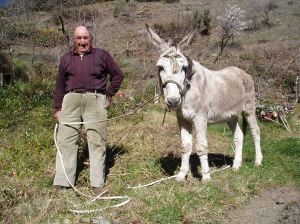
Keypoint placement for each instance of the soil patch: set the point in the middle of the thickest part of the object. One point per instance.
(276, 205)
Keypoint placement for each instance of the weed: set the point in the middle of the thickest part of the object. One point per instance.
(119, 7)
(245, 56)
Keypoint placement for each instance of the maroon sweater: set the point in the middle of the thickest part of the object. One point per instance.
(87, 72)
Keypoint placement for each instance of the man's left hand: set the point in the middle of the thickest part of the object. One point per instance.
(108, 102)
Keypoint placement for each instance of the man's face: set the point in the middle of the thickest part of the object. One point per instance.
(82, 40)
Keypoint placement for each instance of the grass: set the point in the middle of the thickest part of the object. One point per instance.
(140, 150)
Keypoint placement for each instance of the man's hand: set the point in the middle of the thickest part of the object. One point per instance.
(57, 115)
(108, 102)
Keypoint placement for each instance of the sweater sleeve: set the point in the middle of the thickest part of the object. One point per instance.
(116, 75)
(60, 86)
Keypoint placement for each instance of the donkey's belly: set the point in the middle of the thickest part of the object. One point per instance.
(221, 117)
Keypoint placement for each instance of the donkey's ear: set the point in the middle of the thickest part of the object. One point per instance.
(187, 40)
(156, 40)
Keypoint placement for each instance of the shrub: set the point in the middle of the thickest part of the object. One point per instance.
(206, 22)
(124, 6)
(5, 63)
(184, 24)
(245, 56)
(180, 27)
(119, 6)
(21, 70)
(47, 37)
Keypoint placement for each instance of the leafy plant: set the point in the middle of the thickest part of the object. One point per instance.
(206, 22)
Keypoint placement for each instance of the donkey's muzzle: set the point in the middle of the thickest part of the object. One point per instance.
(173, 102)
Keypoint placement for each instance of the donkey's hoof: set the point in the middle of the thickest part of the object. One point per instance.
(206, 177)
(236, 167)
(181, 177)
(257, 163)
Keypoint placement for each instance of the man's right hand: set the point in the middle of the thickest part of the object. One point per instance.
(57, 115)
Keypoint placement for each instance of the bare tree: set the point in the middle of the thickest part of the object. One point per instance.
(231, 24)
(265, 9)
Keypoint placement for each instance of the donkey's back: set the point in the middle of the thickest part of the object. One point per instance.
(228, 92)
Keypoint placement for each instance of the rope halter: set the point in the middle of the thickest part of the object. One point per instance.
(173, 54)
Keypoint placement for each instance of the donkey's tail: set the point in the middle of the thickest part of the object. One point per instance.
(245, 123)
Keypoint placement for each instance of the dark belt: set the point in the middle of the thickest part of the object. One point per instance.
(86, 91)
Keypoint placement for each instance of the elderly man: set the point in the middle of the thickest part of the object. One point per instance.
(82, 94)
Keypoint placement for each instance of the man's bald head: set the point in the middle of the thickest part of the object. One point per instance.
(79, 30)
(82, 39)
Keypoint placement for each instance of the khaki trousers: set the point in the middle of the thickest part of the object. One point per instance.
(85, 107)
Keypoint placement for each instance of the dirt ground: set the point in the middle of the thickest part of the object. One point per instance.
(279, 205)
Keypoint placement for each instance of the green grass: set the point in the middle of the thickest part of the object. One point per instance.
(27, 161)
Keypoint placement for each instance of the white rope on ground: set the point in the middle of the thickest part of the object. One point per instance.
(99, 209)
(224, 168)
(152, 183)
(166, 178)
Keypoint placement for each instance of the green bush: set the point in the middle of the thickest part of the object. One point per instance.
(21, 70)
(245, 56)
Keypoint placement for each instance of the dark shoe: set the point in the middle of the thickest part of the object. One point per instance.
(98, 190)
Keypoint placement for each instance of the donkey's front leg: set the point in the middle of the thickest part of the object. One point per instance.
(187, 146)
(201, 146)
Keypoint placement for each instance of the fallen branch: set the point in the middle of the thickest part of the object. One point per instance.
(276, 122)
(284, 122)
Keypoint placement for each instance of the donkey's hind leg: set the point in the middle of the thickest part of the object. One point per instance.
(187, 146)
(238, 138)
(256, 136)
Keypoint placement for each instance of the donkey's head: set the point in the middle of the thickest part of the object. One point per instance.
(174, 68)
